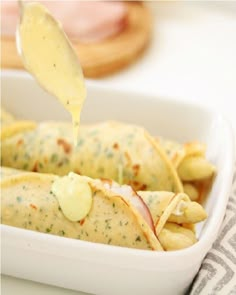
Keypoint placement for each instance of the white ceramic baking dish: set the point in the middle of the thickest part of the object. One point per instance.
(104, 269)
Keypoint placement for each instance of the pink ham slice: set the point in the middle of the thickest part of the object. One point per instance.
(86, 21)
(9, 17)
(131, 196)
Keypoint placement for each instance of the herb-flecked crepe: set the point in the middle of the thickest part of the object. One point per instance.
(122, 152)
(118, 216)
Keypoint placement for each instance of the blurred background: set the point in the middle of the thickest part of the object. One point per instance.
(192, 55)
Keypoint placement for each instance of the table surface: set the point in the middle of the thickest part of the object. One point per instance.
(192, 57)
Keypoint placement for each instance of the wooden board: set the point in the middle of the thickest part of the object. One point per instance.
(103, 58)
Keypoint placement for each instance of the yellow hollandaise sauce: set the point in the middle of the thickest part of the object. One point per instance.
(48, 55)
(74, 196)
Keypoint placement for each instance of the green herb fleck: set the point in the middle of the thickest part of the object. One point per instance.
(93, 132)
(108, 226)
(101, 170)
(80, 142)
(110, 154)
(27, 156)
(62, 232)
(54, 158)
(138, 239)
(25, 166)
(19, 199)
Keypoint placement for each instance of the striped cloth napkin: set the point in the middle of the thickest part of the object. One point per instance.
(217, 275)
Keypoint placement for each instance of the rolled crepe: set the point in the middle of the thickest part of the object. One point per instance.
(172, 218)
(194, 170)
(28, 202)
(169, 207)
(122, 152)
(22, 193)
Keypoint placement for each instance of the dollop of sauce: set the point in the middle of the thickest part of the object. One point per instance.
(48, 55)
(74, 196)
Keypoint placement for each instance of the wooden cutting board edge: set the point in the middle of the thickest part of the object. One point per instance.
(103, 58)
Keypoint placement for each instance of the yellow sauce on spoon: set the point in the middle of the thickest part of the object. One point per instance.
(48, 55)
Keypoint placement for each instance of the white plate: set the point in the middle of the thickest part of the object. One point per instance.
(103, 269)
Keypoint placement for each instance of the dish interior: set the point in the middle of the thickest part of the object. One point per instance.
(163, 117)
